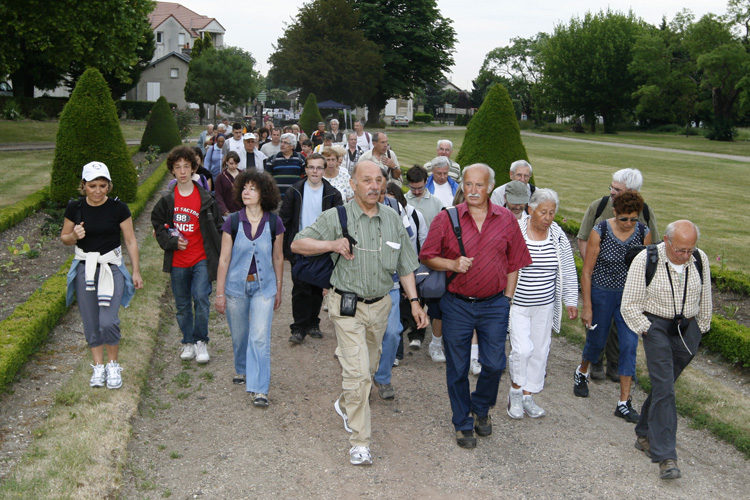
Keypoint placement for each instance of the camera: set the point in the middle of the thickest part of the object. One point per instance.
(679, 325)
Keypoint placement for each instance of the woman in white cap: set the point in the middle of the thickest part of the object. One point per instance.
(98, 278)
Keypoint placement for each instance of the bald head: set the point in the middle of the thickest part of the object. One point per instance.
(680, 239)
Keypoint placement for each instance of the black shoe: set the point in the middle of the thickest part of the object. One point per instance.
(613, 372)
(627, 412)
(296, 338)
(238, 379)
(581, 387)
(466, 439)
(483, 425)
(315, 332)
(597, 371)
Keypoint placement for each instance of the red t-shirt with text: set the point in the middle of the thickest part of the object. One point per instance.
(186, 211)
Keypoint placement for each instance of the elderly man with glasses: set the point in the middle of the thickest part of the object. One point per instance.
(304, 201)
(627, 179)
(287, 166)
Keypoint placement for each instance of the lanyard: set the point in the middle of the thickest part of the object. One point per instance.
(684, 290)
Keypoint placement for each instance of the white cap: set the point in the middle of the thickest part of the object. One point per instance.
(248, 136)
(94, 170)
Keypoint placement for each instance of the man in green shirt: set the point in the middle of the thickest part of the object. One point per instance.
(365, 268)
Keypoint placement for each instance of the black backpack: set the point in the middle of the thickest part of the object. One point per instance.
(317, 270)
(652, 260)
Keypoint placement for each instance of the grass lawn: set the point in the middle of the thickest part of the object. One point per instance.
(673, 187)
(741, 146)
(30, 131)
(23, 173)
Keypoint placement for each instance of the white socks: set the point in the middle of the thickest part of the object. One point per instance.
(436, 340)
(475, 351)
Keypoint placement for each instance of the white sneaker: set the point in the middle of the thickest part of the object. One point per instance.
(436, 352)
(343, 415)
(188, 352)
(360, 455)
(201, 352)
(415, 344)
(475, 367)
(532, 409)
(515, 404)
(114, 379)
(99, 378)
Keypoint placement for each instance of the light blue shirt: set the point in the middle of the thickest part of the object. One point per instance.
(312, 205)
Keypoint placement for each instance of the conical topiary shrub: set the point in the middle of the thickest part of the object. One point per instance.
(493, 136)
(161, 129)
(89, 130)
(310, 116)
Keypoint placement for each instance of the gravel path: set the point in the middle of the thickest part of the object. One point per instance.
(209, 441)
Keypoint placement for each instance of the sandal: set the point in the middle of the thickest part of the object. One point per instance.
(238, 379)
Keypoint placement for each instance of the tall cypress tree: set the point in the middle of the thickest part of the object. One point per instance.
(493, 136)
(89, 130)
(310, 116)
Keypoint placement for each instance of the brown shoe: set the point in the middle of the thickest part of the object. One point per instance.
(466, 439)
(668, 469)
(642, 444)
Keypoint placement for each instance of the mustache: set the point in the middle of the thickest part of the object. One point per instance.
(375, 192)
(472, 196)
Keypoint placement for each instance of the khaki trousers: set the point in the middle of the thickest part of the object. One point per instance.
(360, 340)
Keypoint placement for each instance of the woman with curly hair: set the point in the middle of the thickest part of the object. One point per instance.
(602, 283)
(248, 285)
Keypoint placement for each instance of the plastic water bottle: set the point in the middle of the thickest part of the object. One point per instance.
(173, 231)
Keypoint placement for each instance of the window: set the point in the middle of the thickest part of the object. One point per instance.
(159, 37)
(174, 73)
(181, 40)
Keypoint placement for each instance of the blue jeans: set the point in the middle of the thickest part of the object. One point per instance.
(605, 304)
(249, 320)
(460, 319)
(390, 340)
(191, 286)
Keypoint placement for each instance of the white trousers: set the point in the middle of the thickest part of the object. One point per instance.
(530, 337)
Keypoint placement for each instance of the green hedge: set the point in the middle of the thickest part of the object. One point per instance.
(27, 327)
(161, 128)
(310, 116)
(423, 117)
(727, 280)
(137, 110)
(52, 106)
(729, 339)
(12, 215)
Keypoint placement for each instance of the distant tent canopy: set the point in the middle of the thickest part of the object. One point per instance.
(329, 104)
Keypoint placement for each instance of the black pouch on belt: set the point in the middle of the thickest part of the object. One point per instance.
(348, 304)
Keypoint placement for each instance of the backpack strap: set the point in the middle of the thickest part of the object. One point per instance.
(698, 263)
(646, 214)
(601, 207)
(415, 217)
(456, 223)
(652, 260)
(234, 217)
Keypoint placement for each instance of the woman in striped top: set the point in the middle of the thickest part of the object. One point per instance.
(537, 303)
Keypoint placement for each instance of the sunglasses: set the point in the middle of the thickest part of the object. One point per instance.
(628, 219)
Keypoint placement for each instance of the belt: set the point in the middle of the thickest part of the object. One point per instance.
(252, 277)
(360, 299)
(477, 299)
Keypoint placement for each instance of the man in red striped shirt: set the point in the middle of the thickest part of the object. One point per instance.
(478, 298)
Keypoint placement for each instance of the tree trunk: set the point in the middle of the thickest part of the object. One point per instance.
(374, 107)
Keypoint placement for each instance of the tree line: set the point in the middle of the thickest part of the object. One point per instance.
(615, 66)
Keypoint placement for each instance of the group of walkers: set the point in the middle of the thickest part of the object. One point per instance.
(509, 271)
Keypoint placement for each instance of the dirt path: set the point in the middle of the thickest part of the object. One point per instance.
(208, 441)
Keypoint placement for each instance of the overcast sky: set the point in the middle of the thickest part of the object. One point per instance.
(481, 25)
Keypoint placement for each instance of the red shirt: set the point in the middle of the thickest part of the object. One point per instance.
(498, 250)
(186, 211)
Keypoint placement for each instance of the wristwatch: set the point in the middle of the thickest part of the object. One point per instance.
(415, 299)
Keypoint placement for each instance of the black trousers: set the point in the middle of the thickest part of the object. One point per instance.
(306, 302)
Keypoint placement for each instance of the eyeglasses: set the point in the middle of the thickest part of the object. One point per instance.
(684, 251)
(286, 142)
(614, 189)
(416, 189)
(628, 219)
(316, 169)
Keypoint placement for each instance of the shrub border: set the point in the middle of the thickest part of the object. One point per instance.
(726, 337)
(12, 215)
(28, 325)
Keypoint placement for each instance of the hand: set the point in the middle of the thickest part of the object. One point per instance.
(419, 315)
(137, 281)
(586, 316)
(388, 162)
(572, 312)
(277, 300)
(220, 303)
(463, 264)
(341, 247)
(79, 232)
(182, 243)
